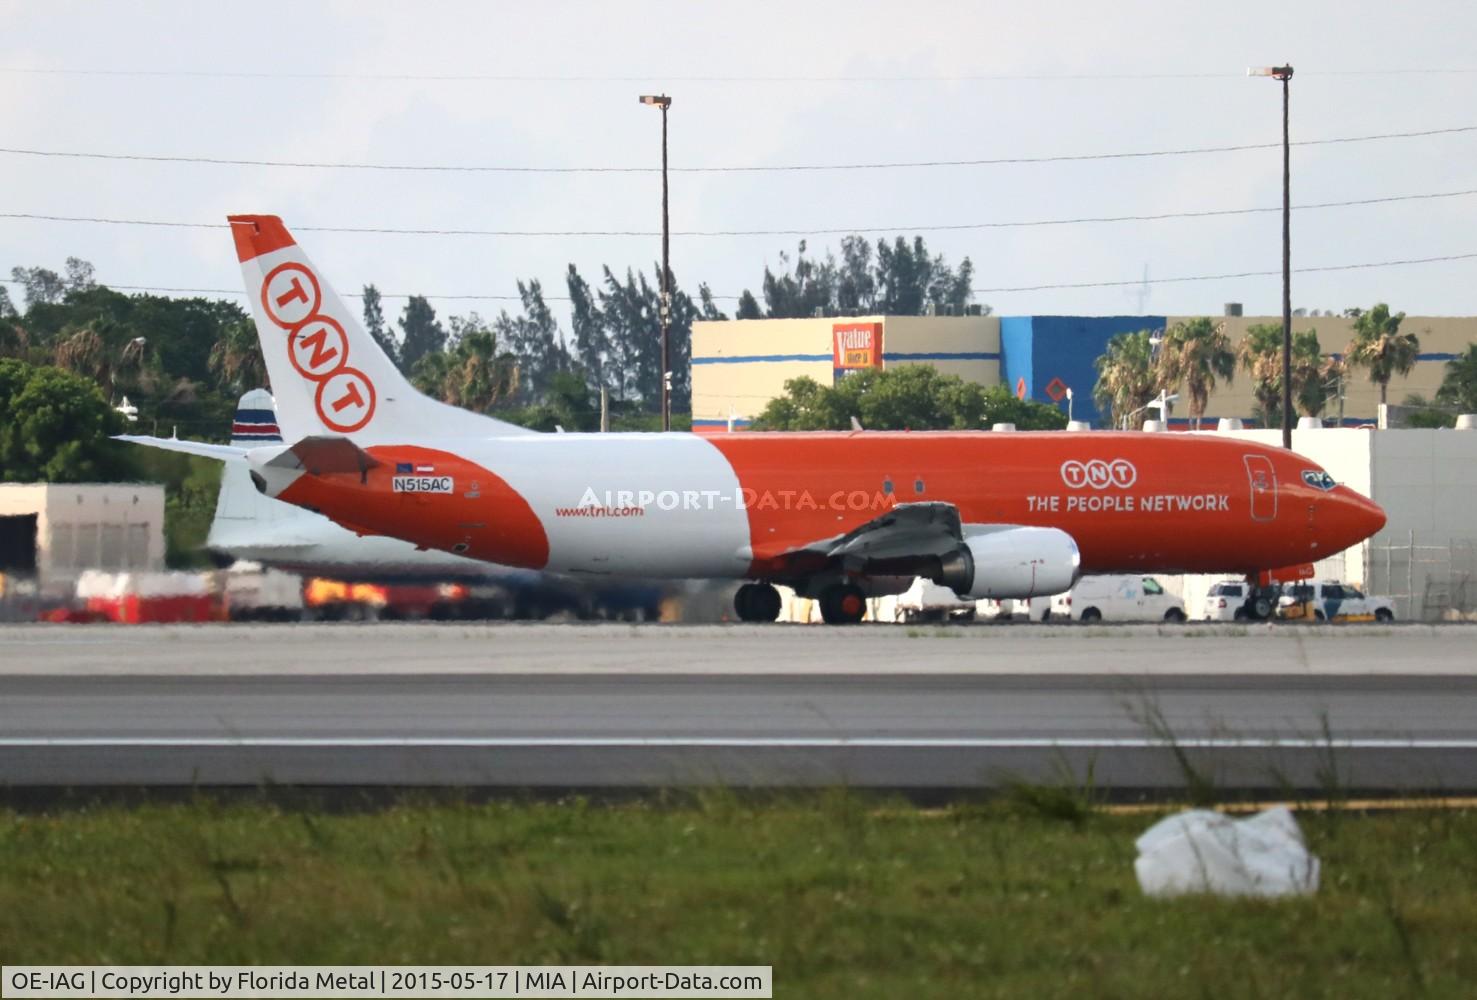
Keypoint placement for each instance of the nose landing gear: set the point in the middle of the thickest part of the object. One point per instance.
(757, 602)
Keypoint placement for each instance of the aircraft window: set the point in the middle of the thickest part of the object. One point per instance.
(1152, 586)
(1318, 479)
(917, 486)
(887, 486)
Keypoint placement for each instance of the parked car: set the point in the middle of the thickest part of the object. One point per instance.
(1332, 601)
(1119, 599)
(1237, 600)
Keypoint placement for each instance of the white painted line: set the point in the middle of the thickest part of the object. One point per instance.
(676, 742)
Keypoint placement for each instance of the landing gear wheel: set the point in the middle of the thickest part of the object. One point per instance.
(1261, 608)
(757, 602)
(843, 604)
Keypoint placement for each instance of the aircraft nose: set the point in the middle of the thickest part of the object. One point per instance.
(1359, 517)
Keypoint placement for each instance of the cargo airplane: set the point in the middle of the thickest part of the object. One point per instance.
(837, 516)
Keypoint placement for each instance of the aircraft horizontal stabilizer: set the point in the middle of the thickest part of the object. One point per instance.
(323, 454)
(222, 452)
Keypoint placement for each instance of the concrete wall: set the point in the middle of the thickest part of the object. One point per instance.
(87, 526)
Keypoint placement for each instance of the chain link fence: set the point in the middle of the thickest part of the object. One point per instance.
(1428, 582)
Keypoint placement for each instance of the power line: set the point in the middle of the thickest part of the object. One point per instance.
(705, 78)
(1218, 277)
(783, 168)
(836, 231)
(977, 291)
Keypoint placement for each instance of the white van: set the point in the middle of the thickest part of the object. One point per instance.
(1118, 599)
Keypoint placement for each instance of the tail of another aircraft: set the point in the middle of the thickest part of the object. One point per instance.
(240, 510)
(329, 376)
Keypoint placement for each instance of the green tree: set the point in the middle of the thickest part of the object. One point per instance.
(54, 427)
(909, 397)
(236, 359)
(1381, 348)
(591, 340)
(748, 307)
(1128, 377)
(1459, 387)
(376, 327)
(902, 279)
(533, 337)
(811, 287)
(1196, 353)
(1260, 356)
(420, 332)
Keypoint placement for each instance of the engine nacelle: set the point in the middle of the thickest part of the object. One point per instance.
(1012, 562)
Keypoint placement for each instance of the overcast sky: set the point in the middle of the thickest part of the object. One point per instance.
(754, 85)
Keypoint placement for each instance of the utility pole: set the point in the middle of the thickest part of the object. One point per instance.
(664, 102)
(1284, 73)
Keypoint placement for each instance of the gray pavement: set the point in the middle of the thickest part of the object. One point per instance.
(516, 648)
(919, 730)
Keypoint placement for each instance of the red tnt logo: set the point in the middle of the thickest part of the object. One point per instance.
(317, 347)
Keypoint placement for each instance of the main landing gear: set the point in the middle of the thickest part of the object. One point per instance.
(757, 602)
(843, 604)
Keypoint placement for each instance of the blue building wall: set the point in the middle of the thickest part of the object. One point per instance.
(1042, 348)
(1016, 352)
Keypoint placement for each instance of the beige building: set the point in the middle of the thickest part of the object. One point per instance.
(739, 366)
(54, 531)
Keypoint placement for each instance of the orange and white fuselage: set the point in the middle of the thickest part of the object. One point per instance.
(740, 505)
(991, 514)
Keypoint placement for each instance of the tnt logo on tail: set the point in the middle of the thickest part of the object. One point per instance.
(318, 348)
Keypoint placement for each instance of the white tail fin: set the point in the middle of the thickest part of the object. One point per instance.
(328, 376)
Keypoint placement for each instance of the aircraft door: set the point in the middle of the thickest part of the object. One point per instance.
(1263, 483)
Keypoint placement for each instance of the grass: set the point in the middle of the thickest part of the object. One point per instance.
(844, 895)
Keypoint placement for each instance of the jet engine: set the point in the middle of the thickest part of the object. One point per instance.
(1012, 562)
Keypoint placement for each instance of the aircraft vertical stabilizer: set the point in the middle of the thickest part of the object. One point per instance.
(328, 376)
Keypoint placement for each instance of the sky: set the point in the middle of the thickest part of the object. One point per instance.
(554, 84)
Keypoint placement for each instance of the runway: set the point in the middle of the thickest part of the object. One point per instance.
(914, 731)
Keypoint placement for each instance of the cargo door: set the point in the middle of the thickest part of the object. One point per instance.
(1263, 484)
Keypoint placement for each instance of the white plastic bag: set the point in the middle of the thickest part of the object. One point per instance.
(1204, 851)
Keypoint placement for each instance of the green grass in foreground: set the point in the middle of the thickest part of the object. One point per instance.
(844, 895)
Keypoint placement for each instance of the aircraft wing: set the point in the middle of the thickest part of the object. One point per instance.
(902, 540)
(222, 452)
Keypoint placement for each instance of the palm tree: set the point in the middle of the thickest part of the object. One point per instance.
(485, 378)
(1197, 353)
(236, 359)
(84, 353)
(1311, 373)
(1127, 376)
(1380, 347)
(1260, 354)
(1459, 387)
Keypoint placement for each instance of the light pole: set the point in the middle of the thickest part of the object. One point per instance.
(1284, 73)
(664, 102)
